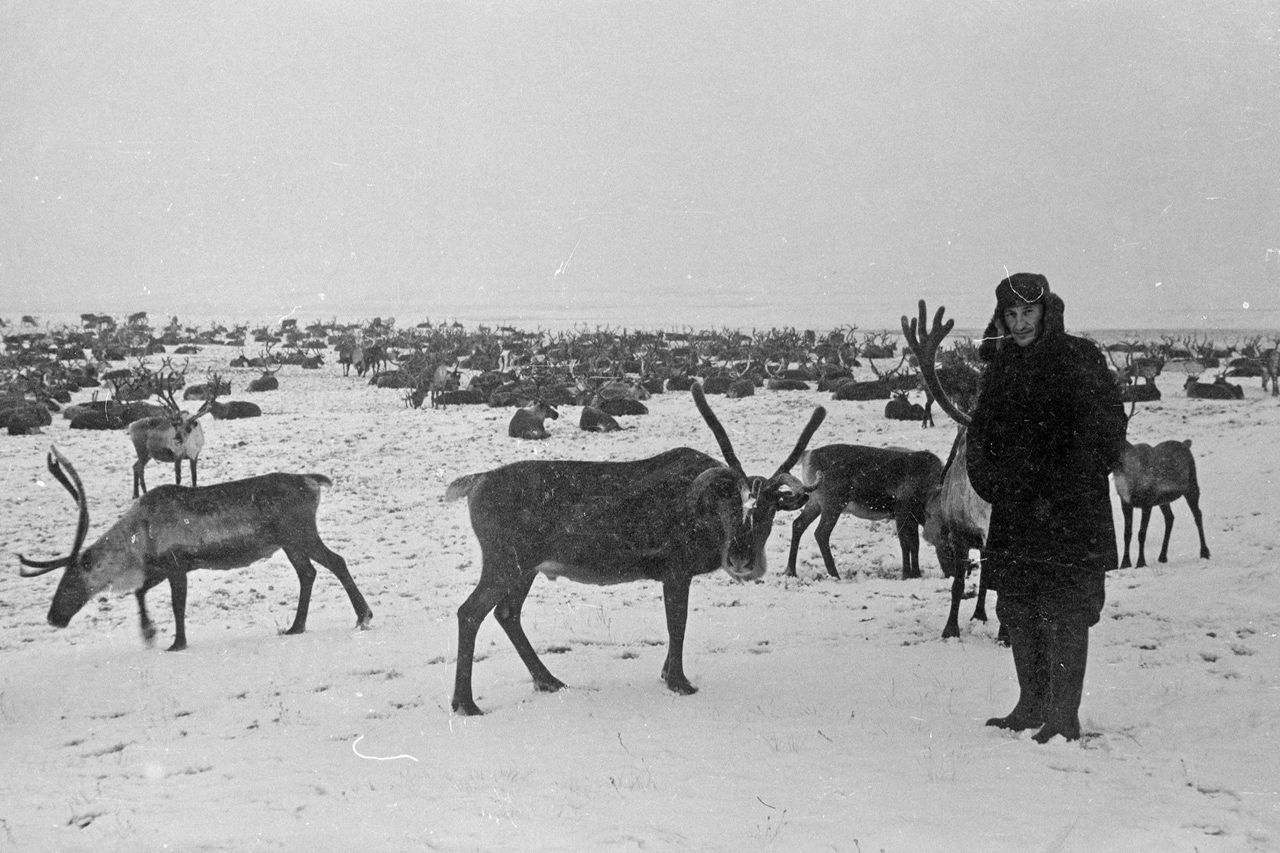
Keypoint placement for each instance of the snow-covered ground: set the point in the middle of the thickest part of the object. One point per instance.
(830, 714)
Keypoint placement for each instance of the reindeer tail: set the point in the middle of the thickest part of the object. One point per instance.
(462, 486)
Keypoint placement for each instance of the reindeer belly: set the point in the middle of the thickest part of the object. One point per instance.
(605, 575)
(870, 509)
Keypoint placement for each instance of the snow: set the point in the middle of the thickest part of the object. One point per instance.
(830, 714)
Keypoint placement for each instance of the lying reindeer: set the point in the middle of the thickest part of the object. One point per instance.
(530, 421)
(870, 482)
(665, 518)
(1218, 389)
(170, 531)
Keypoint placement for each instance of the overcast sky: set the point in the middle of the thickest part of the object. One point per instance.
(667, 163)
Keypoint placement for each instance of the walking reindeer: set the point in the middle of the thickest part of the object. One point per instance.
(666, 518)
(171, 531)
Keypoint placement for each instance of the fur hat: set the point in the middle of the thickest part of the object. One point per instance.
(1023, 288)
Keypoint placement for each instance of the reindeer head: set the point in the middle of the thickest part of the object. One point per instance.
(106, 562)
(743, 505)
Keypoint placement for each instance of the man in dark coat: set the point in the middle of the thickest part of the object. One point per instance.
(1048, 428)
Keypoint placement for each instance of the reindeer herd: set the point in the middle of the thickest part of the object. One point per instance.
(666, 518)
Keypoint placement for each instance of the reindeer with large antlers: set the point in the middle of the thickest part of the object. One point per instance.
(171, 531)
(666, 518)
(957, 519)
(171, 437)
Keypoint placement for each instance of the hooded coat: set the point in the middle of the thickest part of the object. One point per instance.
(1047, 429)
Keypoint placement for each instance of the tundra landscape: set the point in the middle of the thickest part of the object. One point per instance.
(829, 713)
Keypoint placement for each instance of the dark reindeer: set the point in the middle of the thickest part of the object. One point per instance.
(1157, 476)
(530, 421)
(874, 483)
(1218, 389)
(170, 531)
(666, 518)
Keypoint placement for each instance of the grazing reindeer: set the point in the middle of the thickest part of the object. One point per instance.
(529, 421)
(869, 482)
(1157, 476)
(171, 531)
(666, 518)
(956, 518)
(170, 437)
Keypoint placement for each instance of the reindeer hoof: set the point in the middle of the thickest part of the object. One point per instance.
(178, 645)
(551, 686)
(363, 622)
(466, 708)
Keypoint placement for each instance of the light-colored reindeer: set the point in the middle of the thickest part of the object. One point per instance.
(170, 437)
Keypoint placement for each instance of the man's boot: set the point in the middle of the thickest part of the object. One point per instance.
(1029, 642)
(1068, 652)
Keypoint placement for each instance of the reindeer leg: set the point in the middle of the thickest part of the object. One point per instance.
(823, 537)
(144, 618)
(947, 557)
(1167, 511)
(332, 561)
(1127, 509)
(1193, 501)
(139, 481)
(498, 567)
(306, 578)
(803, 519)
(909, 540)
(178, 592)
(177, 471)
(1142, 537)
(675, 597)
(507, 613)
(193, 472)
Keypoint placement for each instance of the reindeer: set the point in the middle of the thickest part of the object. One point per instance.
(1157, 476)
(666, 518)
(595, 420)
(170, 437)
(529, 421)
(956, 518)
(266, 382)
(1146, 367)
(170, 531)
(880, 388)
(1218, 389)
(870, 482)
(214, 387)
(899, 408)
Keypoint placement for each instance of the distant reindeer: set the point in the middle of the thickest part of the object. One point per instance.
(899, 408)
(233, 410)
(1157, 476)
(170, 437)
(594, 420)
(529, 421)
(1219, 389)
(874, 483)
(266, 382)
(666, 518)
(171, 531)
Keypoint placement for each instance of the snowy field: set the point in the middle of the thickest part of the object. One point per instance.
(830, 714)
